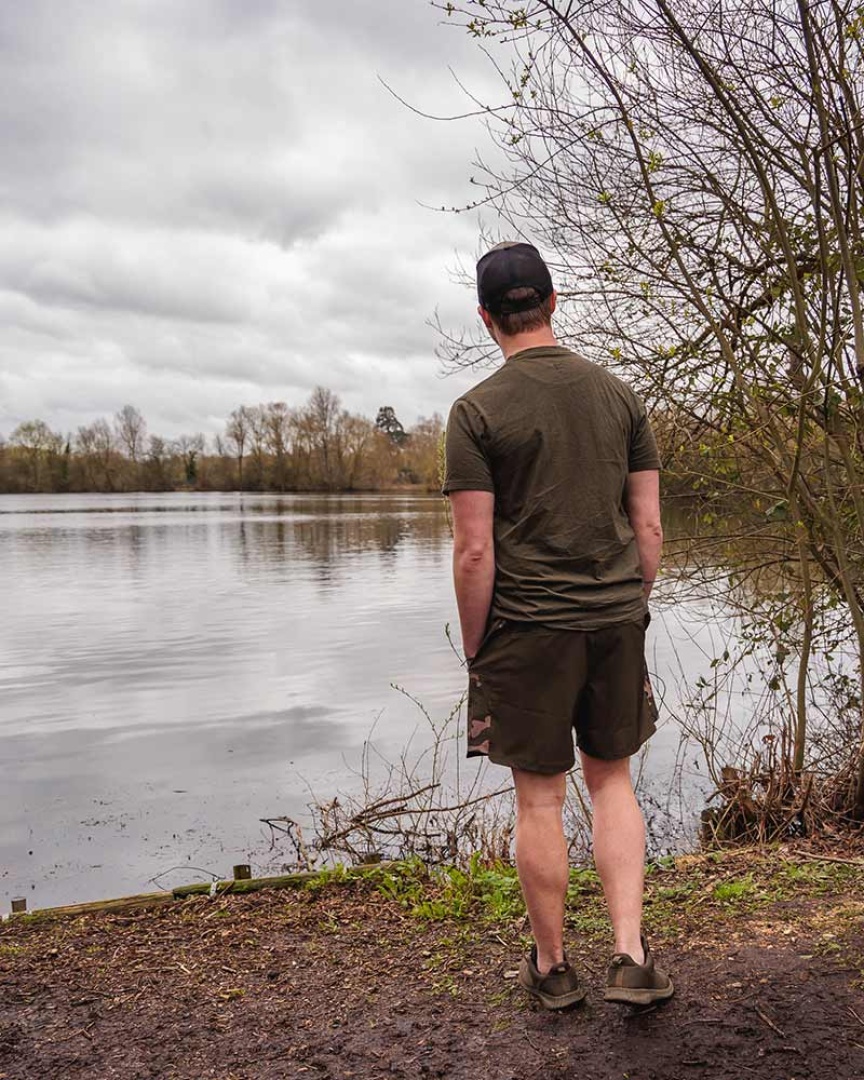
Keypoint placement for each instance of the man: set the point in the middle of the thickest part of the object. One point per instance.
(553, 478)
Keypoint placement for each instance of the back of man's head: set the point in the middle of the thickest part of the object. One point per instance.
(514, 287)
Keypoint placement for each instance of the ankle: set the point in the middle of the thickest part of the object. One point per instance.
(547, 960)
(632, 947)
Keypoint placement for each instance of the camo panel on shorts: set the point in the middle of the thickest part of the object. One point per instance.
(479, 729)
(479, 718)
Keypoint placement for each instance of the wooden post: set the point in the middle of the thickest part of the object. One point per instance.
(19, 905)
(243, 872)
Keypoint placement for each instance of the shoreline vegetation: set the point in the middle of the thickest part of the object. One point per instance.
(406, 971)
(272, 447)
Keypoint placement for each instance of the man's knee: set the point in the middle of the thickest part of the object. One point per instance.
(599, 774)
(539, 792)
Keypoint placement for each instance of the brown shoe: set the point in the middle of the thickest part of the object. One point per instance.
(629, 983)
(559, 989)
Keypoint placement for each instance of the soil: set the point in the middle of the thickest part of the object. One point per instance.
(343, 982)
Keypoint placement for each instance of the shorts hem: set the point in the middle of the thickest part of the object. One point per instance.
(545, 770)
(637, 746)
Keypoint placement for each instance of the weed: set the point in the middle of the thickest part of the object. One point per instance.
(583, 881)
(743, 888)
(325, 878)
(446, 985)
(490, 892)
(496, 1000)
(814, 878)
(680, 891)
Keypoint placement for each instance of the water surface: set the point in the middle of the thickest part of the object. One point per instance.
(175, 667)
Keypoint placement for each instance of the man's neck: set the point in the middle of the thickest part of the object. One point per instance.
(533, 339)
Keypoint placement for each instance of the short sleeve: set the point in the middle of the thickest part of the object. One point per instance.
(643, 446)
(467, 466)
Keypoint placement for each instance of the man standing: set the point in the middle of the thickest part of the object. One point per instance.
(553, 478)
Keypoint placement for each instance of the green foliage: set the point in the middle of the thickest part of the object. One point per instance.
(743, 888)
(337, 875)
(487, 891)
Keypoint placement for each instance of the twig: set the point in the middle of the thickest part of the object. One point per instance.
(80, 1031)
(769, 1022)
(472, 802)
(830, 858)
(532, 1044)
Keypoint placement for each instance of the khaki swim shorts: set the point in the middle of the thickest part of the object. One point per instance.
(532, 686)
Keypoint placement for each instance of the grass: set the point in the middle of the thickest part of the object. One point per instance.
(487, 893)
(730, 892)
(484, 897)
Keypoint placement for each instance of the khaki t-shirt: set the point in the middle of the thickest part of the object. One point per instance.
(554, 436)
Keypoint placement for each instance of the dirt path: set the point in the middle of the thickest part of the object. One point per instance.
(403, 978)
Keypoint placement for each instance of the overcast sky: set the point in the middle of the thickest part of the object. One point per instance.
(206, 203)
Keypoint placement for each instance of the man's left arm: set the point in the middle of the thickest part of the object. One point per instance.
(642, 503)
(473, 563)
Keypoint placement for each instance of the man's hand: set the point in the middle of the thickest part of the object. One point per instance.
(473, 563)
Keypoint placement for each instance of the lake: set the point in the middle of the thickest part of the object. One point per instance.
(175, 667)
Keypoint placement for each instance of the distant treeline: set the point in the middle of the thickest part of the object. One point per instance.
(318, 446)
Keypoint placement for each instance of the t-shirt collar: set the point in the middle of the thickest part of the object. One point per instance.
(540, 350)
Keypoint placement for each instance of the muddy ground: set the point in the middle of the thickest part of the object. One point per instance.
(402, 977)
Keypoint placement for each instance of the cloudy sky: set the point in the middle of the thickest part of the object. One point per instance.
(211, 202)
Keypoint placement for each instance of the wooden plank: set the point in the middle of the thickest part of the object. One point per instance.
(120, 903)
(283, 881)
(145, 900)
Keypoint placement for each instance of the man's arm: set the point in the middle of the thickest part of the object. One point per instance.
(473, 563)
(642, 503)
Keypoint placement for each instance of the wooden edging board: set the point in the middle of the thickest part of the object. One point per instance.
(182, 892)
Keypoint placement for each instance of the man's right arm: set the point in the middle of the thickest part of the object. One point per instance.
(642, 503)
(473, 563)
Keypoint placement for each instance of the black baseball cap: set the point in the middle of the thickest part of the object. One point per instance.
(512, 266)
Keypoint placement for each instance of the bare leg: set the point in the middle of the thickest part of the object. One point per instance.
(619, 848)
(541, 859)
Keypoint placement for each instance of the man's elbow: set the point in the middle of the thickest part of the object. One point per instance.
(650, 529)
(474, 556)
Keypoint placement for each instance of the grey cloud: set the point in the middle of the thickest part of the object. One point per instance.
(217, 201)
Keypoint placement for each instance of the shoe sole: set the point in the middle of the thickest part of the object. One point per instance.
(560, 1001)
(622, 995)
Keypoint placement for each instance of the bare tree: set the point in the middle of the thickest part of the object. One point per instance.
(237, 434)
(157, 464)
(696, 173)
(258, 439)
(95, 445)
(189, 449)
(131, 431)
(355, 434)
(40, 445)
(278, 422)
(323, 413)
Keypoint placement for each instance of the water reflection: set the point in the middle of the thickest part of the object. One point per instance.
(191, 663)
(175, 667)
